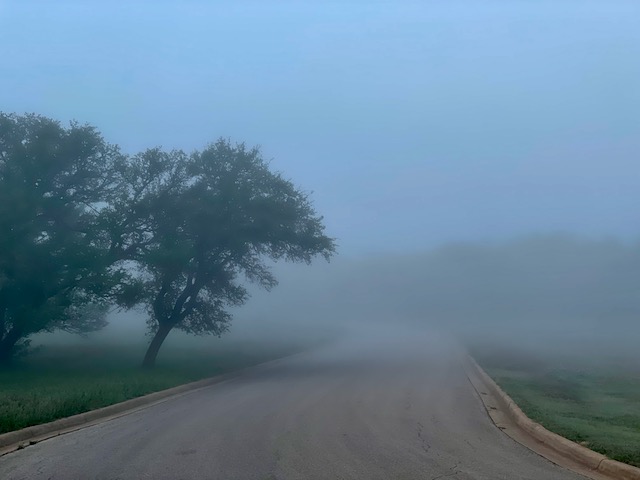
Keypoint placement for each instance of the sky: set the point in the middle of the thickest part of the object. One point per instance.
(413, 123)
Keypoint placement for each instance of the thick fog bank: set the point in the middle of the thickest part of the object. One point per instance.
(542, 292)
(553, 291)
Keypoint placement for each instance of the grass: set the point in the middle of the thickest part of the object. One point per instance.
(59, 381)
(590, 401)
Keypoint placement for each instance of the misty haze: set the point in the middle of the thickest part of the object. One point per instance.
(290, 240)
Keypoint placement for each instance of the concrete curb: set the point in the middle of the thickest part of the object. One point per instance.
(592, 461)
(19, 439)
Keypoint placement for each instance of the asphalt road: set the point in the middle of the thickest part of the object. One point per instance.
(377, 408)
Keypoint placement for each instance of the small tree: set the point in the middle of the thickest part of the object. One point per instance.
(196, 225)
(54, 268)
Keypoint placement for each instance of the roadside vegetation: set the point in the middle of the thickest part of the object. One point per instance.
(86, 228)
(58, 381)
(592, 401)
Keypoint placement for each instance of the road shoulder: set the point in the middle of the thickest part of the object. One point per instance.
(509, 418)
(23, 438)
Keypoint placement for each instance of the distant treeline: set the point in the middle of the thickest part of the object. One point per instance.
(531, 288)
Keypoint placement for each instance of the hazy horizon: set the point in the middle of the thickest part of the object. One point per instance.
(556, 293)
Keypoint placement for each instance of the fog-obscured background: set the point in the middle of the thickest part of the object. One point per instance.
(446, 144)
(548, 292)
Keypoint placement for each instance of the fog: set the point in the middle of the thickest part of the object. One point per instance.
(552, 293)
(556, 291)
(445, 143)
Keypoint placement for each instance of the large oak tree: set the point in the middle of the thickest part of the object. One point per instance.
(195, 226)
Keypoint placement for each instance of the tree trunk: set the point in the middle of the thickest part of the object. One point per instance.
(6, 353)
(154, 347)
(7, 346)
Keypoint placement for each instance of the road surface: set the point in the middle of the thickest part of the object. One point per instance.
(380, 408)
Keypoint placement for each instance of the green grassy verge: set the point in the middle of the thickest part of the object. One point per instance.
(595, 403)
(59, 381)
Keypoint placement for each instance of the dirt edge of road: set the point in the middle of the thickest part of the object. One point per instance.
(19, 439)
(509, 418)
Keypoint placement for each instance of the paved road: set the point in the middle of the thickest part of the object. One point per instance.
(370, 409)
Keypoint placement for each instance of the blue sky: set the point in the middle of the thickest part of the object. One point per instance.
(414, 123)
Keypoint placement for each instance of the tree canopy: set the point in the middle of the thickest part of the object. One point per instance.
(85, 227)
(195, 226)
(54, 266)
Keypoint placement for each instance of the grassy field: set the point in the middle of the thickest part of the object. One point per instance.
(590, 401)
(59, 381)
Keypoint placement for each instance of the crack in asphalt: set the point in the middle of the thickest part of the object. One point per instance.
(473, 447)
(423, 442)
(451, 473)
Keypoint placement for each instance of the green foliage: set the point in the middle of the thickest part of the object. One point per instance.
(84, 226)
(196, 225)
(54, 267)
